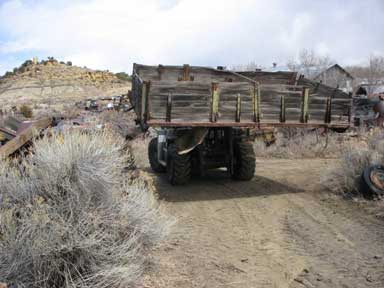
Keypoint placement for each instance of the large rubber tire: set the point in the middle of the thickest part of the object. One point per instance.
(372, 181)
(244, 162)
(152, 156)
(179, 168)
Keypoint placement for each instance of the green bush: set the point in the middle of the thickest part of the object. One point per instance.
(26, 111)
(8, 74)
(123, 76)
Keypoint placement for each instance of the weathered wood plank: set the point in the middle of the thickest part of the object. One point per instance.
(209, 75)
(315, 124)
(192, 98)
(24, 137)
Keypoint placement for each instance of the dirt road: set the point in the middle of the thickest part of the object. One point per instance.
(280, 230)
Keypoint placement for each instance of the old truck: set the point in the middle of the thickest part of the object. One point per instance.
(206, 118)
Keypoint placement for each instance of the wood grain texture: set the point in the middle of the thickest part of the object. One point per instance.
(209, 75)
(24, 137)
(192, 97)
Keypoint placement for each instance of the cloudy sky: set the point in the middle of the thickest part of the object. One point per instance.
(112, 34)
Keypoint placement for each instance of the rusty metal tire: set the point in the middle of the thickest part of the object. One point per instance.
(245, 161)
(152, 156)
(372, 181)
(179, 168)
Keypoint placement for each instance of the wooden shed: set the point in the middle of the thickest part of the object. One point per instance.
(336, 77)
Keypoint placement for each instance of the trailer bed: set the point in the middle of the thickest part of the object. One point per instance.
(191, 96)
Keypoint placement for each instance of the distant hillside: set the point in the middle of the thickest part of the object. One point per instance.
(50, 83)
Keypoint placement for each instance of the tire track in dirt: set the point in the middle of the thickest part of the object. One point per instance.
(271, 246)
(337, 256)
(279, 230)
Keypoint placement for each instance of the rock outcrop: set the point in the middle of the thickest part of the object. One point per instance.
(53, 83)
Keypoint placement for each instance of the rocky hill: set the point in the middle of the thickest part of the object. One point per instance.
(50, 84)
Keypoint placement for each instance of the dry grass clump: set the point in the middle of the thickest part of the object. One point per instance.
(67, 218)
(345, 178)
(140, 150)
(301, 143)
(121, 122)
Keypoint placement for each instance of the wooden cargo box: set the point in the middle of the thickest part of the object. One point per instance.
(190, 96)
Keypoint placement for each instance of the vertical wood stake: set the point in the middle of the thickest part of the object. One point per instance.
(147, 113)
(215, 102)
(238, 108)
(350, 108)
(186, 72)
(256, 103)
(282, 109)
(328, 110)
(160, 71)
(143, 103)
(168, 114)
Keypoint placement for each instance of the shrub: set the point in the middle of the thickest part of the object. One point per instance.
(26, 111)
(69, 220)
(301, 143)
(120, 122)
(345, 177)
(140, 150)
(8, 74)
(123, 76)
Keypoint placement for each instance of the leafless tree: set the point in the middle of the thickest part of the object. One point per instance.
(376, 70)
(371, 73)
(309, 63)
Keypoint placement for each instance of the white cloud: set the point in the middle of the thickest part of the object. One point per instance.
(112, 34)
(17, 46)
(322, 49)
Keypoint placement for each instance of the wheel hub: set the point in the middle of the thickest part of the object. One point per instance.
(377, 178)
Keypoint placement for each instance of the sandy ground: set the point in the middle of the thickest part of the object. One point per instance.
(280, 230)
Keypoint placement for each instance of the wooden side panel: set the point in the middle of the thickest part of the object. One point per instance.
(135, 95)
(190, 100)
(279, 97)
(209, 75)
(286, 78)
(319, 93)
(270, 102)
(228, 101)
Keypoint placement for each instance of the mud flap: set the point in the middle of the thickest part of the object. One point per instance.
(190, 139)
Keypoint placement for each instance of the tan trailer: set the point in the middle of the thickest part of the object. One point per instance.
(205, 115)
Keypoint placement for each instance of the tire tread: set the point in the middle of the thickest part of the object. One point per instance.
(245, 161)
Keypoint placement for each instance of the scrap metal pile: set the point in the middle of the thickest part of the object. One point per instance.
(117, 103)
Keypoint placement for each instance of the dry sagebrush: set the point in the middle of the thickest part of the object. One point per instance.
(68, 219)
(301, 143)
(344, 179)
